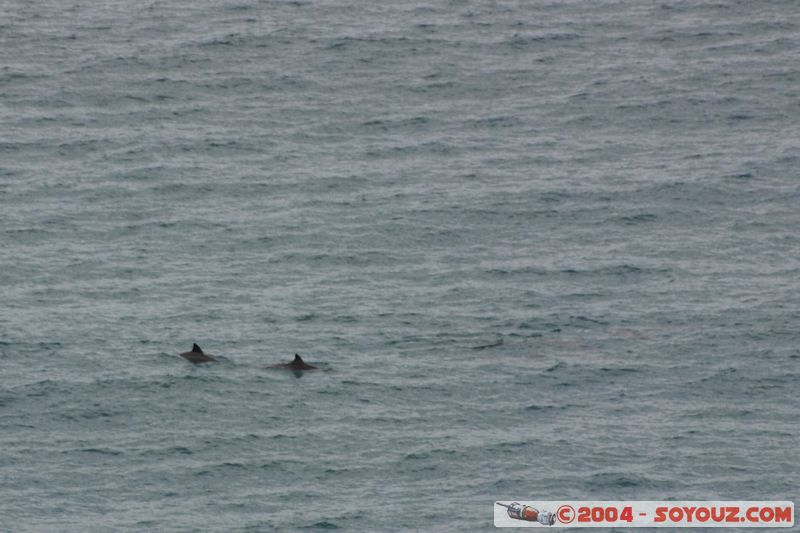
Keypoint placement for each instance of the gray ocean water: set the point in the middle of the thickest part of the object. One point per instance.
(541, 250)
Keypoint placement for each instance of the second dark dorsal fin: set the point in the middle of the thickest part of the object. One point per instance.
(297, 359)
(196, 348)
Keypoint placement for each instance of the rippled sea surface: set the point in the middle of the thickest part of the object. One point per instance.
(540, 249)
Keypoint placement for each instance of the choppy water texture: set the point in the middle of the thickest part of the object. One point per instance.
(543, 249)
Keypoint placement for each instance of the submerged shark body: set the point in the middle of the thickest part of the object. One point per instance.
(197, 355)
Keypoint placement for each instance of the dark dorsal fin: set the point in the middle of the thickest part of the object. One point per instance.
(297, 359)
(196, 348)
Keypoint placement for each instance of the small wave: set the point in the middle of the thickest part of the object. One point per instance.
(581, 318)
(231, 465)
(535, 407)
(638, 219)
(279, 463)
(322, 525)
(101, 451)
(87, 415)
(624, 269)
(512, 446)
(157, 452)
(494, 122)
(621, 370)
(281, 436)
(416, 456)
(522, 271)
(518, 41)
(495, 344)
(230, 39)
(723, 374)
(438, 452)
(181, 450)
(742, 176)
(612, 480)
